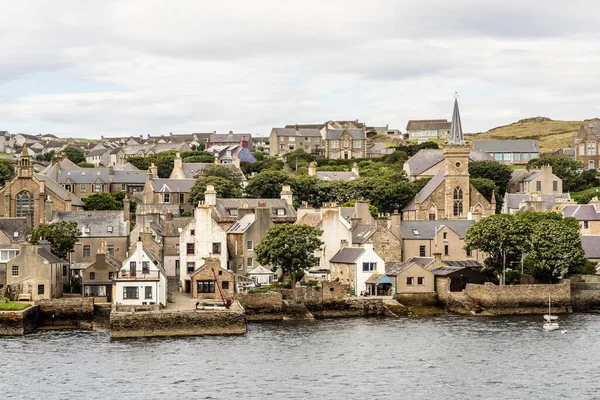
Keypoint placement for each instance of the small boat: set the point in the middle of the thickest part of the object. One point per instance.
(550, 323)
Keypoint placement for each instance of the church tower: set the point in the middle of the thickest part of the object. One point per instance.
(24, 167)
(457, 186)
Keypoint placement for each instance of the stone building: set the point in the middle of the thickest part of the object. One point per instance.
(285, 140)
(429, 162)
(34, 195)
(541, 181)
(410, 277)
(168, 191)
(449, 194)
(586, 143)
(98, 279)
(355, 265)
(512, 152)
(36, 273)
(587, 215)
(425, 129)
(211, 281)
(242, 139)
(345, 143)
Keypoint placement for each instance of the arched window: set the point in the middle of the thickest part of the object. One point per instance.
(458, 201)
(432, 212)
(24, 202)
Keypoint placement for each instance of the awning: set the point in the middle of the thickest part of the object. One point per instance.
(384, 280)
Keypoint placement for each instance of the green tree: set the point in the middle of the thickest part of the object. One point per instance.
(47, 156)
(225, 188)
(306, 189)
(102, 201)
(74, 154)
(290, 247)
(555, 250)
(85, 164)
(7, 171)
(299, 158)
(487, 187)
(267, 184)
(200, 159)
(62, 236)
(141, 163)
(499, 173)
(223, 171)
(413, 149)
(372, 209)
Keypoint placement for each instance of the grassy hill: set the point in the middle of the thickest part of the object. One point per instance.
(551, 135)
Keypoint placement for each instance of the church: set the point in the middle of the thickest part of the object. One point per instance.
(449, 194)
(34, 196)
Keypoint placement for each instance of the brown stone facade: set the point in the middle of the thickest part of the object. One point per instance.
(586, 143)
(208, 279)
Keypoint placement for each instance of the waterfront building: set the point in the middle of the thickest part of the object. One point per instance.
(261, 275)
(98, 279)
(355, 265)
(409, 277)
(211, 281)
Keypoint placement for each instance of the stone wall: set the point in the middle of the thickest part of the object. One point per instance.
(417, 299)
(178, 323)
(521, 299)
(348, 308)
(18, 322)
(262, 306)
(66, 312)
(323, 291)
(585, 296)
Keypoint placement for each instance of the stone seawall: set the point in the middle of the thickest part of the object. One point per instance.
(348, 308)
(262, 306)
(417, 299)
(18, 322)
(77, 312)
(585, 296)
(520, 299)
(178, 323)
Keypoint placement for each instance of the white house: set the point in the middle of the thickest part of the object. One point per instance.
(141, 280)
(354, 266)
(262, 275)
(203, 237)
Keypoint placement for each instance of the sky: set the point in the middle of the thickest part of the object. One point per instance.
(131, 67)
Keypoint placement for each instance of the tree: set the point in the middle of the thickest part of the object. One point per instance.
(299, 158)
(62, 236)
(487, 187)
(200, 159)
(224, 172)
(499, 173)
(47, 156)
(413, 149)
(267, 184)
(7, 171)
(225, 188)
(85, 164)
(74, 154)
(372, 209)
(555, 250)
(570, 171)
(290, 247)
(102, 201)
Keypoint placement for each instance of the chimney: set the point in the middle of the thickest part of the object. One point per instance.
(231, 132)
(296, 127)
(312, 169)
(139, 244)
(126, 209)
(154, 171)
(48, 210)
(148, 175)
(437, 260)
(244, 142)
(169, 216)
(343, 244)
(355, 169)
(235, 160)
(177, 163)
(287, 195)
(361, 211)
(111, 170)
(210, 196)
(395, 224)
(44, 244)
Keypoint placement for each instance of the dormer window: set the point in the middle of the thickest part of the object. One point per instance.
(280, 212)
(109, 229)
(233, 212)
(86, 229)
(16, 234)
(415, 232)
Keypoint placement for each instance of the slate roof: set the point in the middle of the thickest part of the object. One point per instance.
(414, 230)
(97, 221)
(335, 134)
(305, 126)
(422, 261)
(51, 258)
(426, 191)
(128, 176)
(241, 225)
(10, 226)
(427, 158)
(125, 167)
(223, 206)
(83, 175)
(512, 200)
(396, 268)
(59, 190)
(172, 227)
(192, 170)
(260, 270)
(427, 124)
(362, 233)
(463, 263)
(347, 255)
(310, 218)
(582, 212)
(97, 152)
(507, 146)
(347, 213)
(591, 246)
(336, 176)
(443, 271)
(172, 185)
(292, 132)
(228, 137)
(534, 174)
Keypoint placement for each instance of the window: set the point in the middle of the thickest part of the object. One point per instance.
(64, 270)
(367, 266)
(131, 292)
(410, 281)
(123, 187)
(421, 280)
(146, 267)
(292, 139)
(111, 276)
(109, 229)
(206, 286)
(591, 148)
(458, 201)
(432, 212)
(250, 245)
(517, 156)
(83, 188)
(555, 186)
(538, 186)
(111, 249)
(249, 263)
(280, 212)
(15, 270)
(581, 150)
(166, 197)
(526, 156)
(357, 144)
(190, 248)
(469, 253)
(446, 250)
(24, 203)
(191, 266)
(421, 251)
(586, 225)
(92, 276)
(148, 292)
(335, 144)
(345, 142)
(291, 147)
(225, 285)
(87, 230)
(445, 235)
(97, 187)
(216, 248)
(132, 267)
(233, 212)
(181, 198)
(86, 250)
(591, 165)
(193, 232)
(40, 289)
(507, 156)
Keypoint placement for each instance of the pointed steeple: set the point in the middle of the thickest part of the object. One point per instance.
(456, 137)
(25, 153)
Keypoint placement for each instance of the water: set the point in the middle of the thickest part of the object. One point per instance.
(417, 358)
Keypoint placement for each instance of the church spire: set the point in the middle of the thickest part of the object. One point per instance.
(456, 137)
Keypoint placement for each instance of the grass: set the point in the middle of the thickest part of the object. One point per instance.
(13, 306)
(584, 196)
(551, 135)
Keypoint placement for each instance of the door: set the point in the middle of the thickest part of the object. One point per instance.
(109, 293)
(188, 286)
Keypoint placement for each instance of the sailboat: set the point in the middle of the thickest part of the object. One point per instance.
(550, 323)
